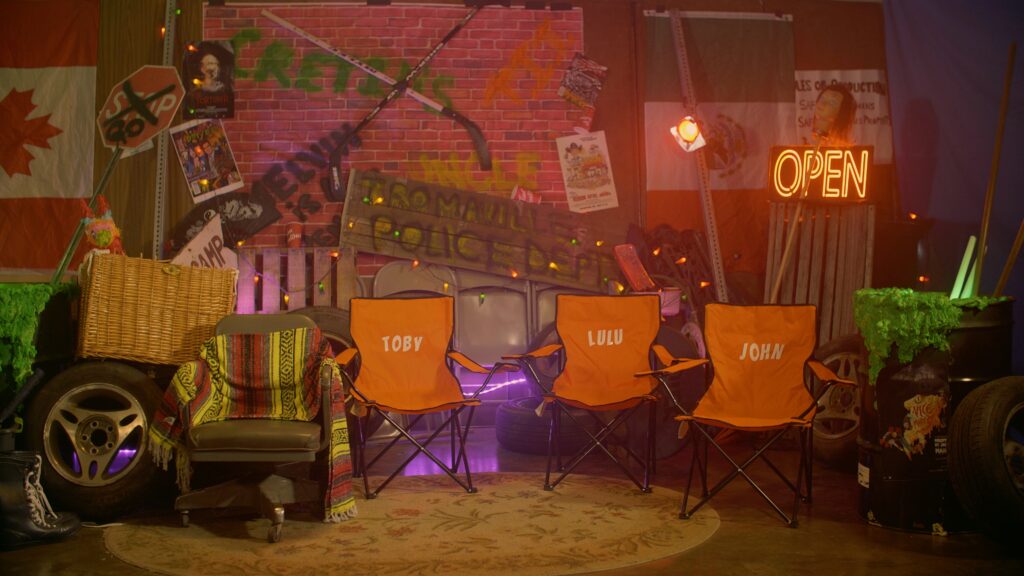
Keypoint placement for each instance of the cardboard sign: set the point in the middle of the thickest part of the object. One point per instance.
(416, 220)
(207, 249)
(832, 175)
(140, 107)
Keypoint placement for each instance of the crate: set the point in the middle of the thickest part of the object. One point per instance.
(150, 311)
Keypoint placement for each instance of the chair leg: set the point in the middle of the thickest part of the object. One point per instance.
(553, 445)
(694, 463)
(597, 441)
(649, 462)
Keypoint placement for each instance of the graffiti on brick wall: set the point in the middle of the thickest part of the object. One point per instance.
(505, 82)
(457, 171)
(276, 63)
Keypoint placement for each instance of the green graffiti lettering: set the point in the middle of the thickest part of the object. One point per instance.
(239, 40)
(309, 70)
(371, 86)
(275, 62)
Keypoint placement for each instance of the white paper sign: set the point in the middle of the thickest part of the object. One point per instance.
(207, 249)
(587, 172)
(872, 125)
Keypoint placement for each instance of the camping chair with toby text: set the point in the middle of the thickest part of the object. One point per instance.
(405, 366)
(265, 397)
(759, 357)
(605, 341)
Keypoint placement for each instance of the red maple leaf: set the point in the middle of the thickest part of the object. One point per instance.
(17, 131)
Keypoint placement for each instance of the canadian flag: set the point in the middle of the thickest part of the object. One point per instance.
(47, 117)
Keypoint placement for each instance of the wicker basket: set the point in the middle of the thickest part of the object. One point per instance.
(150, 311)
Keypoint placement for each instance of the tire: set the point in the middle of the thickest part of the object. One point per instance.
(519, 429)
(90, 423)
(334, 324)
(837, 425)
(986, 457)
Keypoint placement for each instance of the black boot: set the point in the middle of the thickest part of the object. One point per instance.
(25, 514)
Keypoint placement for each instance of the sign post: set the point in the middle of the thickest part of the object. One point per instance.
(138, 108)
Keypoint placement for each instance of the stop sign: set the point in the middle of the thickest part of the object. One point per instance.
(140, 106)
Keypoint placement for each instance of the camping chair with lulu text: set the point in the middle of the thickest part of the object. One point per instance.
(405, 362)
(759, 357)
(605, 342)
(265, 396)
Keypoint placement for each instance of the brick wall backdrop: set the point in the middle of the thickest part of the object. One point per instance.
(293, 99)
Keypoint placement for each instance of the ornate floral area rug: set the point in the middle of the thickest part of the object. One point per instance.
(427, 525)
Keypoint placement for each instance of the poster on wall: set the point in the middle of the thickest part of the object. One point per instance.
(581, 85)
(587, 172)
(205, 158)
(207, 70)
(871, 125)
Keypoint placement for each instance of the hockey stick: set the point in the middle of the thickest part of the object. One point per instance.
(397, 89)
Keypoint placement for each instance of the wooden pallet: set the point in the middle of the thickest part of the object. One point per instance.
(309, 276)
(833, 256)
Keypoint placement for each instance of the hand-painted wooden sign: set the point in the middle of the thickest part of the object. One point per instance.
(421, 221)
(836, 175)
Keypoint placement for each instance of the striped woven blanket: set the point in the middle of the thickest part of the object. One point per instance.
(276, 376)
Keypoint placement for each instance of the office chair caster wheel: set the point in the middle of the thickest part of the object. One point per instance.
(184, 519)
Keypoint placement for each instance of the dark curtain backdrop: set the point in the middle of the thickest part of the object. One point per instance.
(947, 62)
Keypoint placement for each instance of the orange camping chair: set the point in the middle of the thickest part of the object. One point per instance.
(760, 356)
(605, 340)
(405, 367)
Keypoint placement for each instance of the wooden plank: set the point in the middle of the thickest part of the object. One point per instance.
(296, 281)
(803, 261)
(416, 220)
(246, 289)
(773, 242)
(346, 276)
(828, 287)
(869, 248)
(817, 253)
(842, 256)
(271, 281)
(855, 280)
(322, 276)
(789, 278)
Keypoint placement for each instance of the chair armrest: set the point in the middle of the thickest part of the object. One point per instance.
(538, 353)
(346, 356)
(827, 375)
(469, 364)
(680, 365)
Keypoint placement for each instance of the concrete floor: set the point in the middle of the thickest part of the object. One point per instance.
(831, 538)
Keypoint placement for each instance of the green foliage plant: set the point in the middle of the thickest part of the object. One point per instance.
(903, 322)
(20, 306)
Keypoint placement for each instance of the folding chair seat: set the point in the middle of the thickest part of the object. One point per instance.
(403, 362)
(760, 358)
(265, 396)
(604, 342)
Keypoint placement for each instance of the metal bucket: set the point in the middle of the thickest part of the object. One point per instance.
(902, 467)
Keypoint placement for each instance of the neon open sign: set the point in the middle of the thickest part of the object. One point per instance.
(830, 174)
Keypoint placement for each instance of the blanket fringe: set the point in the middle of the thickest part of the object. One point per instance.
(341, 516)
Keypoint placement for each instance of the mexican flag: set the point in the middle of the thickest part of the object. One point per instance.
(742, 70)
(47, 117)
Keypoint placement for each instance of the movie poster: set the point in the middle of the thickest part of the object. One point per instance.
(205, 158)
(207, 71)
(587, 172)
(581, 85)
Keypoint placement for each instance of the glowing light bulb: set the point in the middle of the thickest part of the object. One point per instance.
(514, 274)
(286, 298)
(552, 266)
(334, 254)
(688, 129)
(923, 279)
(682, 260)
(656, 251)
(599, 243)
(320, 286)
(415, 263)
(912, 215)
(445, 286)
(256, 279)
(378, 200)
(239, 243)
(704, 283)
